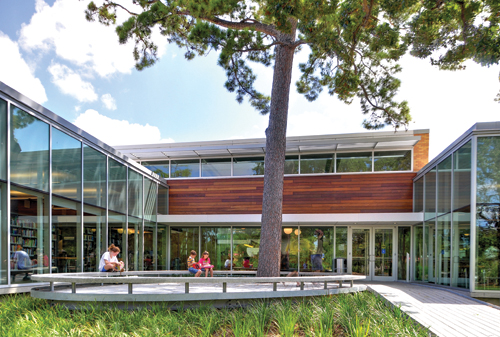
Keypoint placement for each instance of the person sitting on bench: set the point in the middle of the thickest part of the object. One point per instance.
(22, 261)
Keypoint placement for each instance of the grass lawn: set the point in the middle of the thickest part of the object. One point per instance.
(360, 314)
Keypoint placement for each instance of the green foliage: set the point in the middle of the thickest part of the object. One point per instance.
(341, 315)
(354, 45)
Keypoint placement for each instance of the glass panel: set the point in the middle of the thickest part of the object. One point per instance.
(419, 195)
(182, 241)
(162, 200)
(354, 162)
(217, 242)
(246, 242)
(462, 178)
(66, 227)
(162, 247)
(93, 237)
(117, 234)
(430, 194)
(135, 252)
(443, 252)
(290, 248)
(461, 250)
(317, 163)
(291, 164)
(341, 249)
(392, 161)
(383, 252)
(29, 150)
(5, 249)
(3, 141)
(150, 197)
(361, 251)
(419, 252)
(94, 177)
(158, 167)
(220, 167)
(149, 245)
(429, 244)
(488, 214)
(29, 234)
(66, 165)
(404, 247)
(117, 185)
(253, 166)
(316, 248)
(185, 168)
(444, 186)
(134, 194)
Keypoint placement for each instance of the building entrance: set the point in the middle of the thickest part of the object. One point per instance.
(373, 253)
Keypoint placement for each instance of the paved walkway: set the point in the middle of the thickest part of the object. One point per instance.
(445, 313)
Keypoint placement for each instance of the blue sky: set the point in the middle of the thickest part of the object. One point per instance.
(78, 70)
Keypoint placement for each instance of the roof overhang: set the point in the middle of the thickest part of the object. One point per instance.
(356, 219)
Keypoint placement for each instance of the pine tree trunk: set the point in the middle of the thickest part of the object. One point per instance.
(272, 203)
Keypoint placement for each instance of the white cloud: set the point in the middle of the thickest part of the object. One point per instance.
(15, 72)
(70, 83)
(116, 132)
(109, 101)
(63, 28)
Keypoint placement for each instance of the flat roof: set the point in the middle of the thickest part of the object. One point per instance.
(385, 140)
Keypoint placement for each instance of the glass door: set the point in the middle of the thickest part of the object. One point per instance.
(383, 254)
(361, 252)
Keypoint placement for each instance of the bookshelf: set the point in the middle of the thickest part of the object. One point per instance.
(23, 232)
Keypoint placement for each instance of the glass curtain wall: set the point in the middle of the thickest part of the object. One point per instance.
(117, 199)
(246, 243)
(66, 227)
(117, 234)
(253, 166)
(488, 214)
(418, 203)
(220, 167)
(316, 248)
(341, 249)
(163, 240)
(217, 242)
(404, 247)
(290, 249)
(354, 162)
(66, 165)
(182, 241)
(3, 193)
(159, 167)
(317, 163)
(185, 168)
(94, 244)
(392, 161)
(135, 231)
(419, 257)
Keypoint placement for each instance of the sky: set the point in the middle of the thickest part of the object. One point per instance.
(78, 70)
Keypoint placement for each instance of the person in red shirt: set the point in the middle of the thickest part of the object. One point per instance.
(246, 263)
(205, 264)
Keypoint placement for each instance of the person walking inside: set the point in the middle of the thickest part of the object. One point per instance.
(109, 262)
(193, 267)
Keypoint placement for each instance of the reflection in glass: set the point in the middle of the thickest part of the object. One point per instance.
(341, 249)
(316, 248)
(253, 166)
(134, 245)
(29, 234)
(149, 246)
(419, 252)
(185, 168)
(444, 186)
(29, 150)
(462, 178)
(429, 260)
(291, 164)
(182, 241)
(134, 194)
(162, 247)
(488, 214)
(162, 200)
(461, 250)
(66, 228)
(94, 177)
(117, 185)
(360, 251)
(150, 194)
(94, 229)
(159, 167)
(392, 161)
(383, 252)
(220, 167)
(354, 162)
(317, 163)
(430, 194)
(443, 252)
(246, 243)
(3, 140)
(66, 165)
(418, 204)
(117, 235)
(217, 242)
(404, 247)
(4, 246)
(290, 248)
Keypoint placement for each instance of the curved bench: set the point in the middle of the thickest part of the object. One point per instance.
(243, 288)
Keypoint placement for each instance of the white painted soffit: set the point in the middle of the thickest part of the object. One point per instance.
(357, 219)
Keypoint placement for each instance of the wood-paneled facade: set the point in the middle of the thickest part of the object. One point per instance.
(314, 194)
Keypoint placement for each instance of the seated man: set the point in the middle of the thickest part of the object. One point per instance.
(22, 261)
(193, 267)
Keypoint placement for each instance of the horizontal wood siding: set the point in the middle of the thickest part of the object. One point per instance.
(355, 193)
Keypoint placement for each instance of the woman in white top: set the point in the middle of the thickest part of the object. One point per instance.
(109, 262)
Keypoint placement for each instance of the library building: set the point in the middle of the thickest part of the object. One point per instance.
(367, 203)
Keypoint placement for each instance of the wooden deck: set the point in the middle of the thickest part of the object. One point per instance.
(443, 312)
